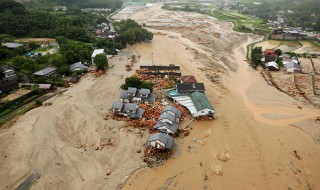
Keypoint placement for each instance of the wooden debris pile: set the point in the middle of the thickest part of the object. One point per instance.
(163, 84)
(151, 115)
(154, 157)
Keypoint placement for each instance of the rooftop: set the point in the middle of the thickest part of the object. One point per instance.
(200, 101)
(161, 67)
(78, 66)
(12, 45)
(176, 111)
(167, 116)
(96, 52)
(166, 139)
(174, 127)
(188, 79)
(183, 87)
(45, 71)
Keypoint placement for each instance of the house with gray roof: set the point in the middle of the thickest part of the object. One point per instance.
(160, 141)
(202, 105)
(187, 88)
(293, 67)
(10, 45)
(167, 118)
(167, 128)
(78, 67)
(173, 111)
(127, 109)
(45, 72)
(7, 73)
(137, 95)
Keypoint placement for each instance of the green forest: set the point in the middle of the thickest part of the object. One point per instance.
(301, 13)
(70, 31)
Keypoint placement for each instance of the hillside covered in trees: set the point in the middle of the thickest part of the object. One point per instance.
(295, 12)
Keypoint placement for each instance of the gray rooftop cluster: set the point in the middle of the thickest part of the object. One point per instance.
(165, 139)
(141, 95)
(127, 109)
(167, 123)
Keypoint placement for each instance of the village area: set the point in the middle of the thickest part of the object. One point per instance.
(210, 121)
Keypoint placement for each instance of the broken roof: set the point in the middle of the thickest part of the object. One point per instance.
(166, 139)
(78, 66)
(188, 79)
(200, 101)
(173, 127)
(183, 87)
(45, 71)
(174, 110)
(168, 116)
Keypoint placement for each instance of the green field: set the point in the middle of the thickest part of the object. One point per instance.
(241, 22)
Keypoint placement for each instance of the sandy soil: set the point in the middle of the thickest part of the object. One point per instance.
(46, 139)
(16, 94)
(250, 145)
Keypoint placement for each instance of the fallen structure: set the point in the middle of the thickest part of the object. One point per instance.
(127, 109)
(137, 95)
(160, 141)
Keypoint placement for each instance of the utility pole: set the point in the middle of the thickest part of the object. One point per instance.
(152, 58)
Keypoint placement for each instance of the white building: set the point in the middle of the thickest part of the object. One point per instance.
(95, 53)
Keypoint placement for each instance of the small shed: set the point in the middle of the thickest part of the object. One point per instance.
(160, 141)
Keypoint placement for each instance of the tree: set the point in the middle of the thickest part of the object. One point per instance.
(58, 60)
(278, 52)
(18, 61)
(101, 61)
(136, 82)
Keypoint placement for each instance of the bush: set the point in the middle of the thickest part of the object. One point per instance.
(136, 82)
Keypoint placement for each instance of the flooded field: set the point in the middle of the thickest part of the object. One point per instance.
(269, 44)
(288, 46)
(307, 46)
(298, 47)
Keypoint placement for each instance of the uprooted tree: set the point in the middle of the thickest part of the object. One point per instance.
(136, 82)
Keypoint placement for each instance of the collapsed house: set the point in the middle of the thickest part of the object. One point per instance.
(158, 71)
(160, 141)
(127, 109)
(168, 120)
(137, 95)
